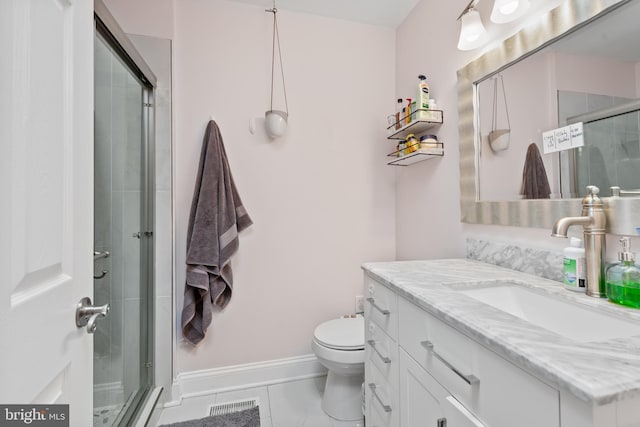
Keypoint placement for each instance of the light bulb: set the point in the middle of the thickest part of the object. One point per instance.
(472, 32)
(508, 10)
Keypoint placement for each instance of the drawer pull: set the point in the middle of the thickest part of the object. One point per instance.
(442, 422)
(377, 307)
(468, 378)
(373, 387)
(385, 359)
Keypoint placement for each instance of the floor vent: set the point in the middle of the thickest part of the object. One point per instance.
(231, 407)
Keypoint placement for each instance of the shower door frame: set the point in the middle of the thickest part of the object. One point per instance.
(112, 33)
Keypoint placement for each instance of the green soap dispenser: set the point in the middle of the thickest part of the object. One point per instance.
(623, 279)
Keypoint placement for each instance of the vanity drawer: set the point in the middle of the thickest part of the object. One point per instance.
(497, 392)
(381, 306)
(382, 352)
(419, 330)
(382, 400)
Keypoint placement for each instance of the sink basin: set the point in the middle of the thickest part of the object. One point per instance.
(563, 318)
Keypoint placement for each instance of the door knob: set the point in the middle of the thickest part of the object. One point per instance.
(87, 314)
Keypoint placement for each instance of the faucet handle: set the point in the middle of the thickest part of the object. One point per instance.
(592, 199)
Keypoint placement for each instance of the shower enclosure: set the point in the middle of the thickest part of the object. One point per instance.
(123, 231)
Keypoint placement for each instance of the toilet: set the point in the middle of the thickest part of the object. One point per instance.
(339, 346)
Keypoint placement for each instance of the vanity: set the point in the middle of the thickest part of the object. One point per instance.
(460, 343)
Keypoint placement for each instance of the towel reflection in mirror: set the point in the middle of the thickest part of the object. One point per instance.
(535, 184)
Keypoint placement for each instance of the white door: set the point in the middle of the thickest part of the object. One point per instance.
(46, 205)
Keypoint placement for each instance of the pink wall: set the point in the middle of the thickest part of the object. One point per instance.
(529, 99)
(604, 77)
(428, 193)
(532, 87)
(321, 198)
(145, 17)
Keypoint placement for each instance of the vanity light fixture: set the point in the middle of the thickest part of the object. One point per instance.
(508, 10)
(472, 32)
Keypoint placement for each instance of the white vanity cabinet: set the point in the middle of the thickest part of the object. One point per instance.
(436, 358)
(496, 392)
(420, 372)
(425, 403)
(381, 356)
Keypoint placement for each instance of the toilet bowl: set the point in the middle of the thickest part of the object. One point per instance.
(339, 346)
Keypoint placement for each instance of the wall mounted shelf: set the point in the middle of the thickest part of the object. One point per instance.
(426, 119)
(400, 159)
(423, 120)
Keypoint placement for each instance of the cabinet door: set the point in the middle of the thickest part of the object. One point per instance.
(421, 397)
(457, 415)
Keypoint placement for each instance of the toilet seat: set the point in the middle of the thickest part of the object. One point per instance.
(346, 334)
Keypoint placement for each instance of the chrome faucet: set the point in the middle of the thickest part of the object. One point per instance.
(593, 221)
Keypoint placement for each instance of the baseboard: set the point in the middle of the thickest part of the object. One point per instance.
(229, 378)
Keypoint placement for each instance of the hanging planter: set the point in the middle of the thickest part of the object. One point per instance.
(275, 121)
(499, 139)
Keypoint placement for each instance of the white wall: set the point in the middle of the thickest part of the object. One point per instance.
(321, 198)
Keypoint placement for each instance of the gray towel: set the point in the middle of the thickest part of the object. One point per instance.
(217, 215)
(535, 184)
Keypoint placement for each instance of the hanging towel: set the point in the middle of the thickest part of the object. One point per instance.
(535, 184)
(217, 215)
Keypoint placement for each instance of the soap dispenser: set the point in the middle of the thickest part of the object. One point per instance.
(623, 279)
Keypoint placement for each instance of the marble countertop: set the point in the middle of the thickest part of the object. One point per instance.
(596, 372)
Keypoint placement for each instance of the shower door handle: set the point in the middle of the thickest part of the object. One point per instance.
(87, 314)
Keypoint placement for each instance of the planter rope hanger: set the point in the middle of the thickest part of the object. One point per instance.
(276, 120)
(499, 138)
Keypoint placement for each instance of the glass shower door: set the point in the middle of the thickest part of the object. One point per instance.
(122, 238)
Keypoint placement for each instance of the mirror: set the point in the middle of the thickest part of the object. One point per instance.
(496, 199)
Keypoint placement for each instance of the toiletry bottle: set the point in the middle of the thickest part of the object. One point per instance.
(423, 98)
(412, 144)
(399, 106)
(434, 116)
(574, 270)
(428, 141)
(408, 111)
(402, 146)
(623, 279)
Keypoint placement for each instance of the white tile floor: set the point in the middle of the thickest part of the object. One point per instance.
(291, 404)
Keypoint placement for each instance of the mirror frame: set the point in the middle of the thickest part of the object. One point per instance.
(566, 18)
